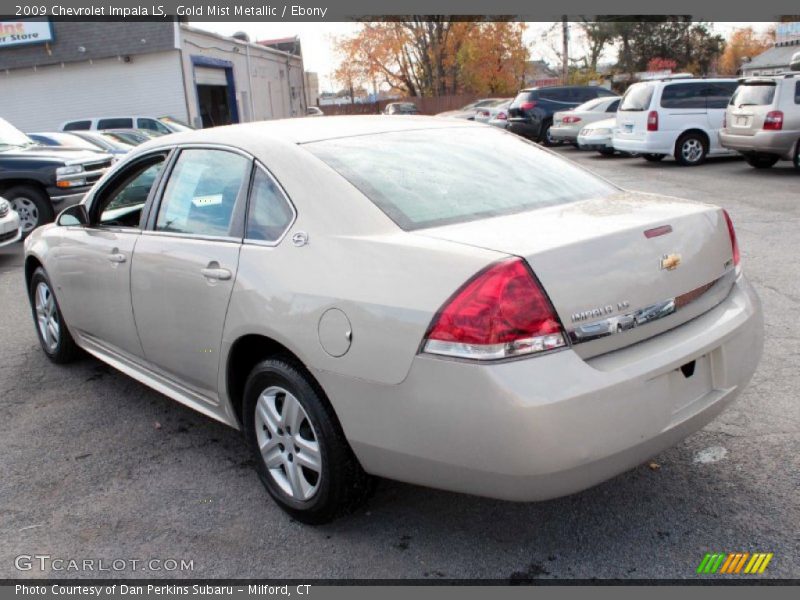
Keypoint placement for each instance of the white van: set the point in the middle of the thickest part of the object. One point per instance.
(678, 117)
(158, 125)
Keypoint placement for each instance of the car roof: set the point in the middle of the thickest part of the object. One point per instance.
(302, 130)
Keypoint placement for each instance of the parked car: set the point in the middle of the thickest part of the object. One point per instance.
(531, 113)
(314, 111)
(762, 120)
(132, 137)
(598, 136)
(10, 229)
(401, 108)
(105, 141)
(86, 142)
(567, 124)
(484, 114)
(159, 125)
(500, 118)
(674, 116)
(431, 294)
(39, 180)
(468, 112)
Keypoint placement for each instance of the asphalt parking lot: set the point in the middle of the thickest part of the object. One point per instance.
(96, 465)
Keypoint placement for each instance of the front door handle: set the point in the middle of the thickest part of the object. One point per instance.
(216, 273)
(117, 258)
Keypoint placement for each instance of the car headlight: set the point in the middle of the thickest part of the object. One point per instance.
(70, 176)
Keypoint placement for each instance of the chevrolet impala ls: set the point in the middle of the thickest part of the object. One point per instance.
(438, 302)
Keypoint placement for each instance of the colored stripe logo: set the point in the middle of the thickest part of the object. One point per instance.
(734, 563)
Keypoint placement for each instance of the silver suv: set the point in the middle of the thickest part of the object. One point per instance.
(762, 120)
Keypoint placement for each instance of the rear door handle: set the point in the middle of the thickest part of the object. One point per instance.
(117, 258)
(216, 273)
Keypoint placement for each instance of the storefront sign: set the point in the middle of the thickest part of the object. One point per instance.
(29, 31)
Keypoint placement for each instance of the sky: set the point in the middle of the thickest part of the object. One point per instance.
(317, 40)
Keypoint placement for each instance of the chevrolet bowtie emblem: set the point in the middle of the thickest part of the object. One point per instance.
(670, 262)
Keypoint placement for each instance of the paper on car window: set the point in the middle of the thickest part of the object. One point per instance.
(208, 200)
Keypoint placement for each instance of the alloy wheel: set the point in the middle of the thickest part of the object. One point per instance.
(288, 443)
(47, 316)
(692, 150)
(27, 211)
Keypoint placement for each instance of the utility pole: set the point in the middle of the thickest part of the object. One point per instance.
(565, 49)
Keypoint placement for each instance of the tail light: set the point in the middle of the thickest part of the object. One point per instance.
(571, 119)
(501, 312)
(501, 116)
(528, 105)
(652, 121)
(483, 113)
(734, 241)
(774, 120)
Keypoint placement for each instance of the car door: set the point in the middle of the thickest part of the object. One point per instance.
(93, 263)
(186, 262)
(684, 107)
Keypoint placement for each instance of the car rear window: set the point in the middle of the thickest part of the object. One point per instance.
(523, 97)
(753, 94)
(451, 175)
(637, 97)
(78, 125)
(122, 123)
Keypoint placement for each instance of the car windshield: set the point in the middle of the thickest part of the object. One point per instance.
(591, 104)
(637, 97)
(11, 136)
(453, 175)
(753, 94)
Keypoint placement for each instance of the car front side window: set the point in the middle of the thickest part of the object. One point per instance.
(120, 203)
(201, 193)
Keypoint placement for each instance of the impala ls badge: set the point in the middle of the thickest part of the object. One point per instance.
(670, 262)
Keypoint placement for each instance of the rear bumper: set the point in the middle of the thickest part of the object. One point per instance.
(652, 143)
(780, 143)
(552, 425)
(10, 230)
(527, 129)
(564, 134)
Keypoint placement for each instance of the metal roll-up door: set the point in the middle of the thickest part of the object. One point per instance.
(210, 76)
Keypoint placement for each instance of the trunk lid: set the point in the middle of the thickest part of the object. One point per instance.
(610, 283)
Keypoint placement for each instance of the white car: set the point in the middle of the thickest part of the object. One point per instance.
(158, 125)
(567, 124)
(598, 136)
(484, 114)
(10, 230)
(680, 117)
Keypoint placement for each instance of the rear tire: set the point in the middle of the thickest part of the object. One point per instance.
(653, 157)
(51, 329)
(311, 471)
(544, 136)
(761, 161)
(691, 150)
(796, 157)
(607, 151)
(32, 205)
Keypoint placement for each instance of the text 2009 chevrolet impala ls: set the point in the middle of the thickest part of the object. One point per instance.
(436, 302)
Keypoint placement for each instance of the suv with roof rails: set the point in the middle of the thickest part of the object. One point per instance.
(762, 121)
(679, 116)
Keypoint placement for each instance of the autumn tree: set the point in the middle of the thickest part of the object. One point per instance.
(434, 57)
(743, 43)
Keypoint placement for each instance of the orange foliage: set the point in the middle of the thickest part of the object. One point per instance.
(743, 43)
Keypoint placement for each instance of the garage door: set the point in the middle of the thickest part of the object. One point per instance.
(210, 76)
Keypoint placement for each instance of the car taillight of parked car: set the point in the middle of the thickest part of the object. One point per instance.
(774, 120)
(502, 116)
(734, 241)
(571, 119)
(501, 312)
(483, 113)
(528, 105)
(652, 121)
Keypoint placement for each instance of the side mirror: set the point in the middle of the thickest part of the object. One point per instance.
(72, 216)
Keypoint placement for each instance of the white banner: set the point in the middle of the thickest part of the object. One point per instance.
(17, 33)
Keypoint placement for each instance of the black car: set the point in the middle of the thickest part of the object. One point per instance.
(39, 180)
(531, 113)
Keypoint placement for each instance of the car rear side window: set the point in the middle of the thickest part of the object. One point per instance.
(637, 97)
(122, 123)
(753, 94)
(684, 95)
(719, 94)
(152, 125)
(201, 193)
(269, 213)
(452, 175)
(556, 94)
(78, 125)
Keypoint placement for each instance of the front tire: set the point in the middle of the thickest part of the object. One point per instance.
(52, 331)
(300, 451)
(691, 150)
(761, 161)
(32, 205)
